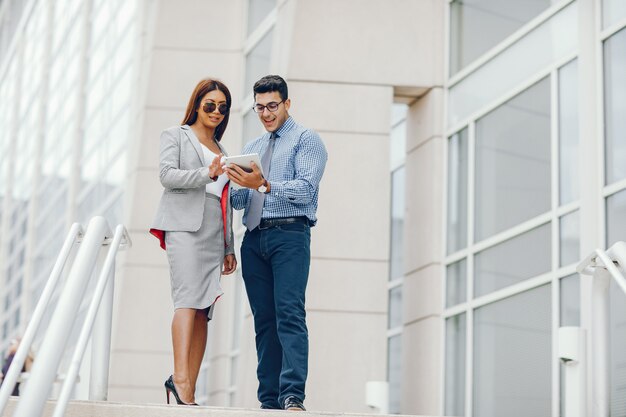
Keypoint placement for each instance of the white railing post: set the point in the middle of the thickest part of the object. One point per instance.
(603, 266)
(101, 343)
(99, 298)
(22, 352)
(45, 367)
(572, 353)
(600, 344)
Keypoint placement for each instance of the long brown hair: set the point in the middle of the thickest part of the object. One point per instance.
(203, 87)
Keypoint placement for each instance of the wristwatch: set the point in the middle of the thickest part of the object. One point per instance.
(263, 187)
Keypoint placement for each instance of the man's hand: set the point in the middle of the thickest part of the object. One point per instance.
(251, 180)
(230, 264)
(216, 169)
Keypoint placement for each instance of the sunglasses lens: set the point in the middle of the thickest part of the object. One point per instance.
(209, 107)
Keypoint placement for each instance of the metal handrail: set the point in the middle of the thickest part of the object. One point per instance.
(104, 280)
(21, 354)
(585, 351)
(44, 371)
(615, 254)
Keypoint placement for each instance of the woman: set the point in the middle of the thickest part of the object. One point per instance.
(194, 225)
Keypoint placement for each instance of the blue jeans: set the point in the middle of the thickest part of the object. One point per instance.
(275, 266)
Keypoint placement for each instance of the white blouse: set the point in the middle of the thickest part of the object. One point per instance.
(215, 187)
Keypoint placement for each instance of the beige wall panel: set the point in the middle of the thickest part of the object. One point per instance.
(141, 215)
(220, 397)
(425, 119)
(346, 351)
(218, 376)
(200, 24)
(144, 313)
(360, 41)
(341, 107)
(145, 251)
(354, 202)
(154, 122)
(423, 291)
(350, 286)
(422, 353)
(222, 327)
(175, 73)
(247, 383)
(141, 369)
(425, 207)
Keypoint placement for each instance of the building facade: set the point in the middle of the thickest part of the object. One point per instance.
(476, 154)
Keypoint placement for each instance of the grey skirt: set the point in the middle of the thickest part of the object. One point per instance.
(196, 260)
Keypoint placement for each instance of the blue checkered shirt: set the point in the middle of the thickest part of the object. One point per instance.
(297, 167)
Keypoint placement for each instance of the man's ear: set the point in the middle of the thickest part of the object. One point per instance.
(287, 104)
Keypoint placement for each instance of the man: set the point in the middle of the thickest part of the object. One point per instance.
(275, 253)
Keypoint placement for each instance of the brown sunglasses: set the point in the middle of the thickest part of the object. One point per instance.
(210, 107)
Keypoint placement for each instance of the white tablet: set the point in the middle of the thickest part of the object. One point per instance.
(243, 161)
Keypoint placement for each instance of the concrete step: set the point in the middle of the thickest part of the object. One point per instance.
(111, 409)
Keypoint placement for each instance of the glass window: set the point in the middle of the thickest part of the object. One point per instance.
(258, 61)
(513, 261)
(455, 366)
(476, 26)
(513, 356)
(257, 11)
(613, 11)
(548, 43)
(513, 161)
(457, 191)
(568, 133)
(569, 226)
(394, 369)
(456, 283)
(615, 106)
(397, 224)
(615, 218)
(570, 301)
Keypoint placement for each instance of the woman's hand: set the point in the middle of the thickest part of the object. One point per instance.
(216, 168)
(230, 264)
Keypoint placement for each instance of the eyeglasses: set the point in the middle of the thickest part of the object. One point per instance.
(273, 106)
(209, 107)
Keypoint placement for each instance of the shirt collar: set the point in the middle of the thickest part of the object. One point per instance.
(289, 123)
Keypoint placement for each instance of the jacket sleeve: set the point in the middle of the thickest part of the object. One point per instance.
(170, 174)
(229, 235)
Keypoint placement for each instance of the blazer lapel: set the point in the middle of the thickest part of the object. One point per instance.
(195, 142)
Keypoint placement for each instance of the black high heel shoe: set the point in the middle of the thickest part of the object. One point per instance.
(170, 387)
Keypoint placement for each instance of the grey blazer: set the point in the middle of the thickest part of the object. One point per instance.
(184, 174)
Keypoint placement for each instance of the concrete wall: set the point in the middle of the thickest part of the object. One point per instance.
(422, 347)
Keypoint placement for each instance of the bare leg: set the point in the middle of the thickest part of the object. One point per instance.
(182, 332)
(198, 346)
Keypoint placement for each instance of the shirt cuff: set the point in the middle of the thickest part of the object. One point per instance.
(277, 189)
